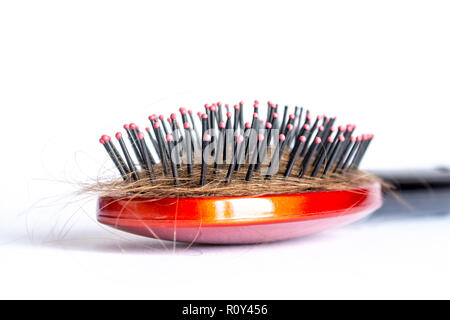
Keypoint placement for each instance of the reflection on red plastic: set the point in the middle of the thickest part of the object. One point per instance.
(248, 219)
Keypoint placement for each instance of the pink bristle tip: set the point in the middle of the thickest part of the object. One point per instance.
(132, 126)
(161, 117)
(169, 137)
(307, 126)
(268, 125)
(275, 115)
(282, 137)
(147, 129)
(239, 138)
(222, 125)
(292, 116)
(302, 139)
(101, 141)
(204, 116)
(156, 125)
(330, 139)
(207, 137)
(126, 126)
(186, 125)
(290, 127)
(118, 135)
(183, 110)
(106, 138)
(141, 135)
(260, 137)
(248, 125)
(341, 138)
(318, 140)
(255, 115)
(190, 111)
(173, 116)
(236, 107)
(229, 114)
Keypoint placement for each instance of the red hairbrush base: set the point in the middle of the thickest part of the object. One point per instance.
(244, 219)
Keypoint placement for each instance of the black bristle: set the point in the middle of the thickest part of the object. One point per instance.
(131, 166)
(228, 139)
(105, 141)
(299, 145)
(308, 140)
(119, 157)
(134, 145)
(194, 127)
(237, 111)
(172, 153)
(219, 112)
(241, 115)
(255, 157)
(205, 141)
(284, 120)
(154, 143)
(146, 155)
(161, 147)
(220, 148)
(255, 106)
(334, 154)
(241, 158)
(317, 147)
(309, 155)
(275, 161)
(235, 159)
(361, 151)
(288, 134)
(269, 111)
(189, 148)
(133, 133)
(166, 131)
(322, 156)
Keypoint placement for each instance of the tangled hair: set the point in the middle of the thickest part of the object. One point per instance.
(189, 186)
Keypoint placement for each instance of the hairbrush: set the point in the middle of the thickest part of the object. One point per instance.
(211, 177)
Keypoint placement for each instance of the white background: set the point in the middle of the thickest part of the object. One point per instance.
(73, 70)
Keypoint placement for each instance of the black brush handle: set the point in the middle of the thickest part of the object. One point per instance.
(416, 192)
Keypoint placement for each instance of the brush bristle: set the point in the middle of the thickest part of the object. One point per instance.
(294, 145)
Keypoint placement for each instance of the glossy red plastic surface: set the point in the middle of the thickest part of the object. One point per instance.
(249, 219)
